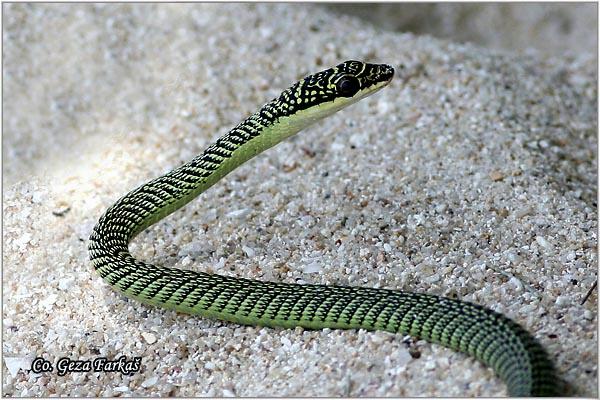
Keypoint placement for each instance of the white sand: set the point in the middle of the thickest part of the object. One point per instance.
(472, 175)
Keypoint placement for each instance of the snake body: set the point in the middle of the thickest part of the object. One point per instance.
(490, 337)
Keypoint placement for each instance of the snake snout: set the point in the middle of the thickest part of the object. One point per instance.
(386, 71)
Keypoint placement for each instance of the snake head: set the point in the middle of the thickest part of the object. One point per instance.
(352, 77)
(325, 92)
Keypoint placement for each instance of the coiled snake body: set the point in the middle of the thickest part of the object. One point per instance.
(490, 337)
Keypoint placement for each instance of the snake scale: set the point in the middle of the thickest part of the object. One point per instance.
(497, 341)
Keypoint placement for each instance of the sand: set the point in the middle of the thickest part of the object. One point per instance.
(473, 175)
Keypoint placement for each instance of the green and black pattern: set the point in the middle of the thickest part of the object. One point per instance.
(490, 337)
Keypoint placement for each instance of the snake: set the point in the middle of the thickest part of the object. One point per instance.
(494, 339)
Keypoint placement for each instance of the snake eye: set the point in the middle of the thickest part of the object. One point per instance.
(348, 86)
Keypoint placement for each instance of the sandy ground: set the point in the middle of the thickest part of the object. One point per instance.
(472, 175)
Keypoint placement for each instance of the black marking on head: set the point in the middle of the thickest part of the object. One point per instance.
(343, 80)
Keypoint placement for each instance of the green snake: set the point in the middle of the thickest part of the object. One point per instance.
(519, 360)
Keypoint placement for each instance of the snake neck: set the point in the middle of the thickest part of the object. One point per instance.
(160, 197)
